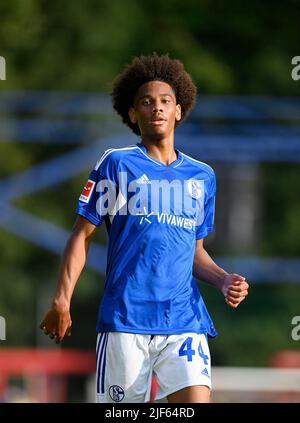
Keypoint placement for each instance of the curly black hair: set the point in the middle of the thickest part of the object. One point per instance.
(152, 68)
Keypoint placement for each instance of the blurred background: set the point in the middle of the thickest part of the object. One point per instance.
(56, 119)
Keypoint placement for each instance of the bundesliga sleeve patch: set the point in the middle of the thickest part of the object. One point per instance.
(87, 191)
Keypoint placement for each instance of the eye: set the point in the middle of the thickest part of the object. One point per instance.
(165, 100)
(145, 102)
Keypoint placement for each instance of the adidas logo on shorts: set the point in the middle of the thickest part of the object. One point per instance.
(205, 372)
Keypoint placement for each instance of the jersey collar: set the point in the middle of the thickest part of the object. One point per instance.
(176, 163)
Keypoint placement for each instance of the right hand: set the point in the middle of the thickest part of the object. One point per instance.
(57, 323)
(235, 289)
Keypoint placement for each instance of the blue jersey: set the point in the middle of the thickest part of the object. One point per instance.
(153, 214)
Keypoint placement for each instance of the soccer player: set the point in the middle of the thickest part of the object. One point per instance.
(158, 205)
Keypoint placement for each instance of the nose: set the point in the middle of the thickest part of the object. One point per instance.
(157, 106)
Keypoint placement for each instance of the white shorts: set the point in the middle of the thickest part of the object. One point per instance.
(126, 362)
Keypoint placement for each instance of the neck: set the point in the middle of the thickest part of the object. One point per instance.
(161, 149)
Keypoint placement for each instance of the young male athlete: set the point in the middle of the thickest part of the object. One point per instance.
(158, 206)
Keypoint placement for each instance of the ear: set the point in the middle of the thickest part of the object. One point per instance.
(178, 113)
(132, 116)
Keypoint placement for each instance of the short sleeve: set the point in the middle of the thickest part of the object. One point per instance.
(209, 210)
(99, 194)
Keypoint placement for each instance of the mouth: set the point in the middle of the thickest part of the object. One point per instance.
(158, 121)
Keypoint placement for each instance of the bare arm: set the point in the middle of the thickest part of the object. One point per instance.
(233, 286)
(57, 322)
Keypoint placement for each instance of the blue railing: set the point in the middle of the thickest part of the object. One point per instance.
(243, 129)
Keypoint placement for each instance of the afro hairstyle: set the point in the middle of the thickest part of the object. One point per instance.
(152, 68)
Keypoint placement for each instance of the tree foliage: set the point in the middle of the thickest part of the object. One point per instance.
(229, 47)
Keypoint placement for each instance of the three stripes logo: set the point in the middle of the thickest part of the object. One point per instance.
(143, 179)
(205, 372)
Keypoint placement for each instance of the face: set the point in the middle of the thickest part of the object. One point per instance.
(155, 109)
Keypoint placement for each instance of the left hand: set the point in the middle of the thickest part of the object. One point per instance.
(235, 289)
